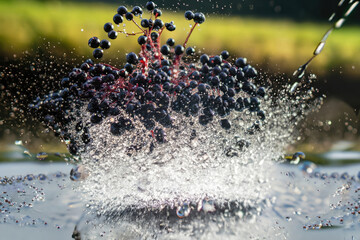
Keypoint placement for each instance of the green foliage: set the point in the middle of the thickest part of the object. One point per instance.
(278, 45)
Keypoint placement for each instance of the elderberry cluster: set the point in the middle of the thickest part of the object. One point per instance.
(152, 85)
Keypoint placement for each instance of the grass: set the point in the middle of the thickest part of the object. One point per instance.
(277, 45)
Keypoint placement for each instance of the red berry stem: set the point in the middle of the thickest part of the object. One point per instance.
(187, 38)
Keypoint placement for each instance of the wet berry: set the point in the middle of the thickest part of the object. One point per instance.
(225, 55)
(170, 42)
(137, 11)
(98, 53)
(199, 18)
(157, 12)
(145, 23)
(225, 124)
(190, 51)
(189, 15)
(129, 16)
(105, 44)
(112, 34)
(150, 6)
(179, 50)
(170, 26)
(122, 10)
(165, 50)
(94, 42)
(118, 19)
(142, 40)
(241, 62)
(108, 27)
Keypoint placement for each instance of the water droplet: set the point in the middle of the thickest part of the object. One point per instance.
(78, 173)
(308, 167)
(183, 211)
(18, 143)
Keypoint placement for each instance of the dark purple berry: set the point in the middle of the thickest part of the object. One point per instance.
(251, 72)
(129, 16)
(122, 10)
(118, 19)
(170, 42)
(132, 58)
(204, 59)
(261, 115)
(108, 27)
(94, 42)
(190, 51)
(105, 44)
(224, 123)
(225, 54)
(112, 34)
(157, 12)
(199, 18)
(142, 40)
(137, 11)
(154, 36)
(189, 15)
(170, 26)
(261, 92)
(179, 49)
(98, 53)
(165, 50)
(158, 24)
(150, 6)
(241, 62)
(129, 68)
(145, 23)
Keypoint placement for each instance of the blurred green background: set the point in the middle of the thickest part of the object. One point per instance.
(41, 40)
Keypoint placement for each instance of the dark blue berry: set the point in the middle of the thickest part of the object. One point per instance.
(142, 40)
(225, 54)
(137, 11)
(129, 16)
(132, 58)
(165, 50)
(189, 15)
(108, 27)
(224, 123)
(118, 19)
(154, 36)
(199, 18)
(204, 59)
(170, 42)
(261, 92)
(261, 115)
(98, 53)
(190, 51)
(94, 42)
(112, 34)
(96, 118)
(122, 10)
(157, 12)
(150, 6)
(241, 62)
(158, 24)
(179, 49)
(170, 26)
(105, 44)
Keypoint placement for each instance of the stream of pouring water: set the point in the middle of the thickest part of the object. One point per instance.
(343, 11)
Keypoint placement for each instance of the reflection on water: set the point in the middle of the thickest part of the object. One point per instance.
(38, 200)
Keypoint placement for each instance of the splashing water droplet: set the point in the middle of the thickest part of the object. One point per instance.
(78, 173)
(183, 210)
(308, 167)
